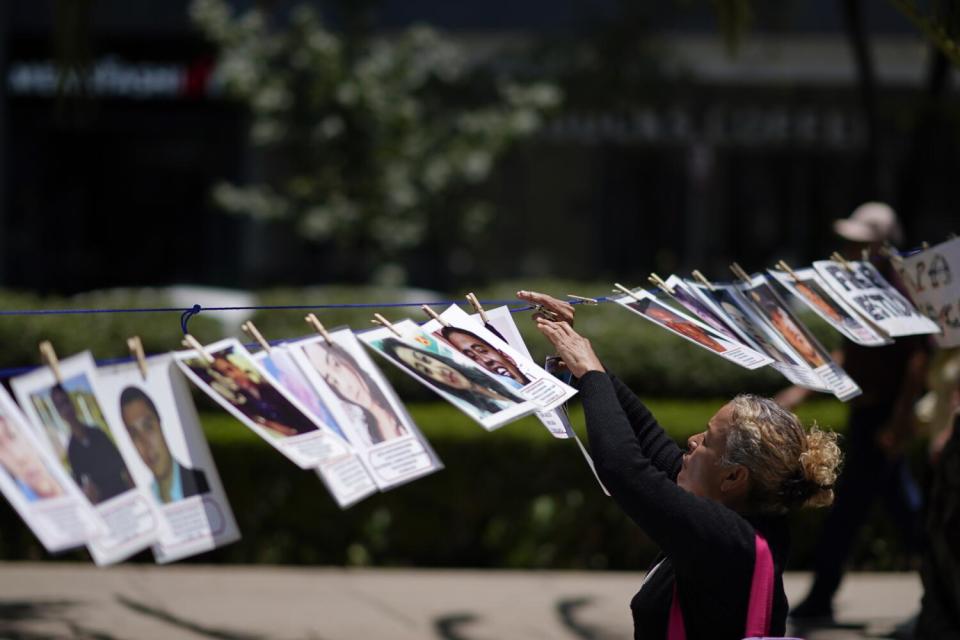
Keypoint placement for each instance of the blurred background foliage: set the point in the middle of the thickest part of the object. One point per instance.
(371, 144)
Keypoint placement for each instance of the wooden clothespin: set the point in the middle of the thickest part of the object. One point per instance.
(888, 251)
(546, 313)
(472, 299)
(192, 343)
(312, 320)
(924, 245)
(433, 314)
(740, 273)
(583, 299)
(136, 350)
(836, 257)
(49, 357)
(783, 266)
(251, 330)
(699, 277)
(660, 282)
(383, 322)
(623, 289)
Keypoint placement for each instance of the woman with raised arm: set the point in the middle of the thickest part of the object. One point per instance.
(716, 510)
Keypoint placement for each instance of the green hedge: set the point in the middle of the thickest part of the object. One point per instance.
(515, 498)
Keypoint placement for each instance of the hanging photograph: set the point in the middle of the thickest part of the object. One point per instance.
(37, 487)
(374, 420)
(279, 362)
(791, 329)
(932, 278)
(69, 416)
(644, 304)
(557, 422)
(725, 301)
(812, 291)
(493, 354)
(250, 394)
(689, 300)
(172, 456)
(501, 323)
(481, 395)
(864, 289)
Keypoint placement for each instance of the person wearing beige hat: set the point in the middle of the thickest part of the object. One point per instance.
(872, 223)
(879, 426)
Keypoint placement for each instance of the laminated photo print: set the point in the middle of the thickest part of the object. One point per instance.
(171, 456)
(348, 480)
(808, 287)
(255, 398)
(69, 416)
(557, 422)
(496, 357)
(864, 289)
(37, 487)
(280, 363)
(374, 420)
(644, 304)
(689, 300)
(931, 277)
(466, 385)
(727, 302)
(792, 331)
(501, 323)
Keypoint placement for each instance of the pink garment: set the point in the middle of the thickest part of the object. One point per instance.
(759, 609)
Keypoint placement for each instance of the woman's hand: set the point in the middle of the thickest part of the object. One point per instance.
(560, 308)
(574, 349)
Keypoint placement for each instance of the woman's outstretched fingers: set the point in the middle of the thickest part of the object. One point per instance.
(562, 309)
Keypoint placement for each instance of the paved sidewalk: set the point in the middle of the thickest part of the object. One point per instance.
(51, 600)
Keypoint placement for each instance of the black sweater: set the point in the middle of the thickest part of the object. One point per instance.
(709, 548)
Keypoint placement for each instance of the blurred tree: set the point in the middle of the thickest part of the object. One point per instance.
(370, 145)
(939, 21)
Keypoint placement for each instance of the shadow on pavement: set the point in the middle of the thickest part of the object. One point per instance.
(448, 627)
(567, 610)
(195, 627)
(15, 615)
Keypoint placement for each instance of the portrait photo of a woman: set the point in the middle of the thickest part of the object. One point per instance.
(481, 394)
(371, 417)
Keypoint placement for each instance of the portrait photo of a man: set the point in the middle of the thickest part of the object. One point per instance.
(172, 481)
(95, 463)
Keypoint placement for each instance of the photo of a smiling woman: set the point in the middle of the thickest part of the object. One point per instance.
(483, 393)
(372, 419)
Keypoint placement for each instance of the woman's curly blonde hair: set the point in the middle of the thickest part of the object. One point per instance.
(789, 467)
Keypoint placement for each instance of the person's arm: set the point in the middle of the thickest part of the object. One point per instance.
(656, 444)
(895, 434)
(665, 454)
(688, 528)
(946, 430)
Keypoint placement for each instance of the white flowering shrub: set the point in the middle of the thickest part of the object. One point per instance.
(368, 143)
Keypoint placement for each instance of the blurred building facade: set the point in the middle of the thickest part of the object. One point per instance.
(700, 158)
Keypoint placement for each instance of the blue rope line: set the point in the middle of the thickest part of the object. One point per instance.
(187, 314)
(285, 307)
